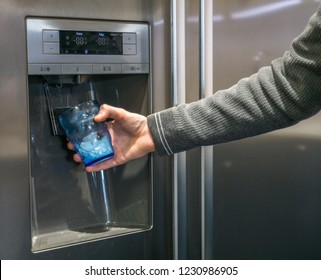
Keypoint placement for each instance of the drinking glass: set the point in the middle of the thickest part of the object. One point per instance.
(91, 139)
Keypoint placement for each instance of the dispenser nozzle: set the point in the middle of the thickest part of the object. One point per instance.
(91, 92)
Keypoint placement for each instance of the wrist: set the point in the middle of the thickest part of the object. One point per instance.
(148, 140)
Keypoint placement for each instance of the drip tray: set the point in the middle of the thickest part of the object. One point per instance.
(61, 239)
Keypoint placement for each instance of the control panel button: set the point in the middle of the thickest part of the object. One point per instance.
(135, 68)
(51, 48)
(50, 36)
(129, 49)
(77, 69)
(129, 38)
(44, 69)
(106, 68)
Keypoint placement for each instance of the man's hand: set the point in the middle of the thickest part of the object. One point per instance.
(130, 135)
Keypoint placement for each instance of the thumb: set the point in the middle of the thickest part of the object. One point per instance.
(108, 112)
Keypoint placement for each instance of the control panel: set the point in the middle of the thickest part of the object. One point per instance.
(64, 46)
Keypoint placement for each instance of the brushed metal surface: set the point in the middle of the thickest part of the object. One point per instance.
(193, 158)
(267, 188)
(15, 239)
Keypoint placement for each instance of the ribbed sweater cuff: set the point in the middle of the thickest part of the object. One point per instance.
(156, 123)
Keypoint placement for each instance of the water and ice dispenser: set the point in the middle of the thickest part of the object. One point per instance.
(70, 62)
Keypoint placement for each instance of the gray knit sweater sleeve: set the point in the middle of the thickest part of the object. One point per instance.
(278, 96)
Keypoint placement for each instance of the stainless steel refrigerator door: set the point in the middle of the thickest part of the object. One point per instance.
(267, 188)
(15, 239)
(265, 200)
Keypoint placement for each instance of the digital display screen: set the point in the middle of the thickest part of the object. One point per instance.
(91, 42)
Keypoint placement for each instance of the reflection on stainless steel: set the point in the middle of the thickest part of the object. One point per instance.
(264, 187)
(264, 9)
(102, 200)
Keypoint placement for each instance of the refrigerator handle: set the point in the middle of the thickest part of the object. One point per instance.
(206, 89)
(178, 90)
(179, 96)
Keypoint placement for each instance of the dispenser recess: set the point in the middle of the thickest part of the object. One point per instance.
(69, 62)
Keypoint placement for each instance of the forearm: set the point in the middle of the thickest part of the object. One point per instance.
(277, 96)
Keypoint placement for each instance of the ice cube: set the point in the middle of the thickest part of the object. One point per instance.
(94, 147)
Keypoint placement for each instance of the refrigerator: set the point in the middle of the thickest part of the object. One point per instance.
(256, 198)
(56, 55)
(266, 188)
